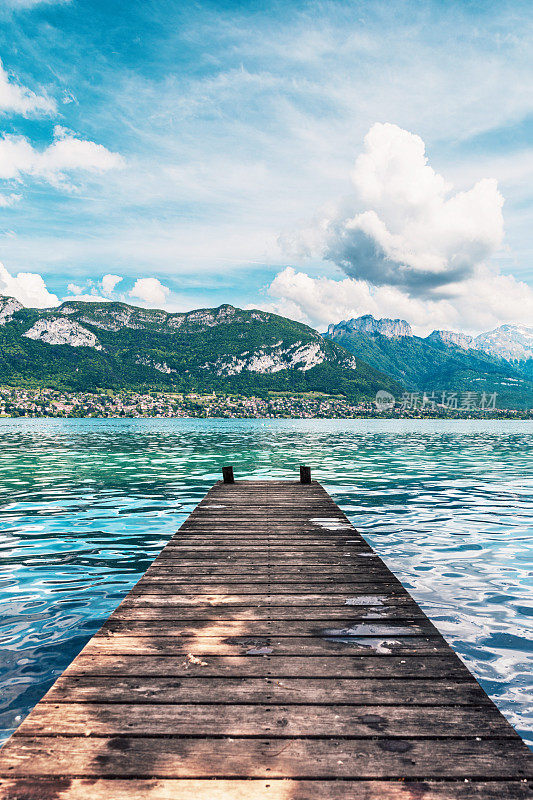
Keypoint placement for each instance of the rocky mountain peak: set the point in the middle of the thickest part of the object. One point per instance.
(368, 324)
(453, 338)
(8, 307)
(508, 341)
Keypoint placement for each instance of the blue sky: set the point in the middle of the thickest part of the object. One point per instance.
(204, 153)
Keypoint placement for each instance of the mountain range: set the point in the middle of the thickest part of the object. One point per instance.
(499, 361)
(84, 346)
(511, 342)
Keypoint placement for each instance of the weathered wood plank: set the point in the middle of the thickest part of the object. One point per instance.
(179, 570)
(356, 759)
(175, 612)
(348, 562)
(285, 533)
(244, 539)
(260, 585)
(147, 587)
(115, 644)
(259, 521)
(262, 553)
(256, 789)
(297, 556)
(273, 529)
(326, 553)
(265, 548)
(356, 597)
(346, 578)
(348, 691)
(170, 576)
(285, 721)
(342, 627)
(445, 665)
(261, 536)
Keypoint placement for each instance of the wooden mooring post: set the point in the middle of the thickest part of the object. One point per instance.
(267, 652)
(227, 475)
(305, 474)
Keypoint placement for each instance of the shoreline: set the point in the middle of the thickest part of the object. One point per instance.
(504, 416)
(41, 403)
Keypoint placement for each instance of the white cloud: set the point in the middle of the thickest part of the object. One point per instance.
(17, 99)
(409, 229)
(484, 301)
(87, 293)
(91, 293)
(317, 301)
(7, 200)
(87, 298)
(66, 154)
(151, 291)
(109, 282)
(23, 4)
(28, 288)
(412, 249)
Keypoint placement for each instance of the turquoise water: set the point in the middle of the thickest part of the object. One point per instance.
(85, 505)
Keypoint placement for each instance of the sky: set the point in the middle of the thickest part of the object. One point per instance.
(322, 160)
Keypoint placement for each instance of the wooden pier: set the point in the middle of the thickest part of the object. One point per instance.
(267, 654)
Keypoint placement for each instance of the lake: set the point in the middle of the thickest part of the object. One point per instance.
(85, 506)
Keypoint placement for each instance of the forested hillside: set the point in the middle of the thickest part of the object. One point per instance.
(82, 346)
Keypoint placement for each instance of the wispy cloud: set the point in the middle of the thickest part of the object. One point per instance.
(7, 200)
(67, 154)
(18, 99)
(19, 5)
(271, 130)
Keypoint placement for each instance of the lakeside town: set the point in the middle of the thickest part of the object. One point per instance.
(44, 402)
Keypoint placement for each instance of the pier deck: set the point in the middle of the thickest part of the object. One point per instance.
(267, 653)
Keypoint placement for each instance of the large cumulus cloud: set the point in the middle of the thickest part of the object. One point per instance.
(409, 246)
(480, 303)
(28, 288)
(404, 226)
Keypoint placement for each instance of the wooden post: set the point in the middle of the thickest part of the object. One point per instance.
(305, 474)
(227, 474)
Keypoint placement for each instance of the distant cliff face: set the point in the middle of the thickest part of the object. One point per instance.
(275, 359)
(451, 337)
(8, 307)
(62, 331)
(511, 342)
(367, 324)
